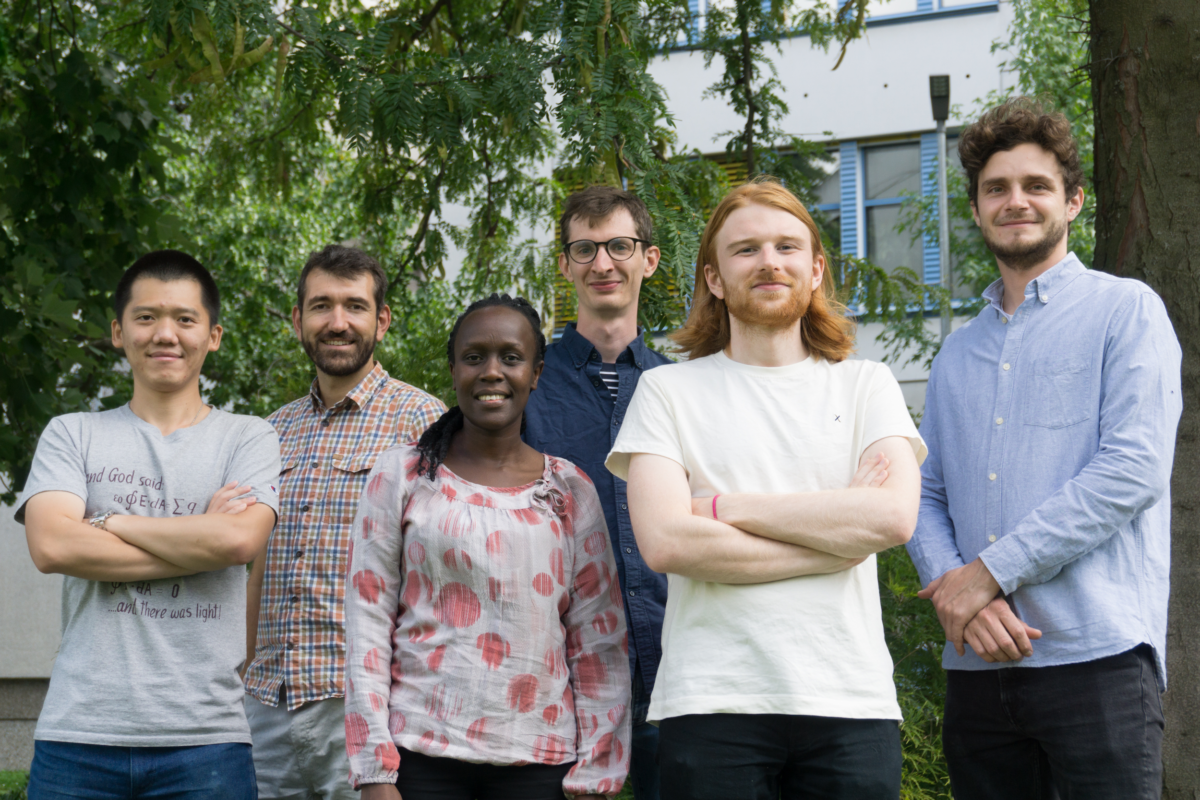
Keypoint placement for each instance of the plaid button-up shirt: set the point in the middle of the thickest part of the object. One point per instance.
(326, 454)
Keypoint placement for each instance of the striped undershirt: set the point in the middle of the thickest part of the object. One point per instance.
(608, 374)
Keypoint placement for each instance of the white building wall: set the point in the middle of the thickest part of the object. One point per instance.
(880, 89)
(30, 622)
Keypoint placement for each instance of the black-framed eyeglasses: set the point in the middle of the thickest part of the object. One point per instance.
(621, 248)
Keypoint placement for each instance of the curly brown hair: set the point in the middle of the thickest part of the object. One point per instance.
(1021, 120)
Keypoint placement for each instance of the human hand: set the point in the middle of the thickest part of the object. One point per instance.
(996, 634)
(380, 791)
(231, 499)
(958, 596)
(872, 473)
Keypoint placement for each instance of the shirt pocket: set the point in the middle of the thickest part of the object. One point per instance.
(1059, 394)
(288, 475)
(349, 475)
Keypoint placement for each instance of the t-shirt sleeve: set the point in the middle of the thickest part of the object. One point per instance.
(886, 414)
(57, 463)
(649, 427)
(256, 463)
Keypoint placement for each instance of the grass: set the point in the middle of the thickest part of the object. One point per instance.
(12, 785)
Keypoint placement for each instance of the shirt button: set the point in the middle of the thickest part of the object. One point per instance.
(992, 476)
(1006, 367)
(1044, 297)
(316, 463)
(1004, 320)
(632, 593)
(305, 508)
(999, 420)
(299, 553)
(628, 549)
(991, 538)
(325, 422)
(295, 598)
(291, 645)
(624, 507)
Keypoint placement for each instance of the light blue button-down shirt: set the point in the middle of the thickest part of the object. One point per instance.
(1051, 435)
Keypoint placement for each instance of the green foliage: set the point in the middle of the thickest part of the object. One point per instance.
(81, 163)
(915, 640)
(12, 785)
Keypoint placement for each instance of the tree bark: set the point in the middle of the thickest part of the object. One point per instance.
(1146, 98)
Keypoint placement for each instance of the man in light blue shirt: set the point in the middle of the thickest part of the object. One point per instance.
(1044, 532)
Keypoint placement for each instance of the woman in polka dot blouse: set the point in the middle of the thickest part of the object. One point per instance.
(486, 652)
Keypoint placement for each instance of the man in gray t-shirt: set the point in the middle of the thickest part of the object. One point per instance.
(151, 510)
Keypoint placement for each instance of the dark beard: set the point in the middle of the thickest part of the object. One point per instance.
(339, 366)
(1023, 256)
(745, 309)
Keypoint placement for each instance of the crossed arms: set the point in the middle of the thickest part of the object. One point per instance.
(768, 537)
(231, 531)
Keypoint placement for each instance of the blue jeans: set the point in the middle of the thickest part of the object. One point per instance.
(643, 762)
(67, 770)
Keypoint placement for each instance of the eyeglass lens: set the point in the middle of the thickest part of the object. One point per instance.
(619, 249)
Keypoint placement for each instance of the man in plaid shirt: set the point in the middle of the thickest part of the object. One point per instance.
(329, 441)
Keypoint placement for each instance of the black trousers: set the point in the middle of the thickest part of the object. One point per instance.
(1092, 730)
(424, 777)
(772, 756)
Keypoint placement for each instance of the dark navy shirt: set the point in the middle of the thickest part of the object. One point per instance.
(573, 415)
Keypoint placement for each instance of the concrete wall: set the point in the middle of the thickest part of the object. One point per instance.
(30, 620)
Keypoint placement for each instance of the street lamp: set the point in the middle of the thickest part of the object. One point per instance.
(939, 98)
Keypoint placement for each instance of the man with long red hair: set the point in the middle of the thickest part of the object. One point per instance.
(764, 474)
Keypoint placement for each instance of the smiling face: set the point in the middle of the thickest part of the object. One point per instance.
(767, 269)
(339, 325)
(606, 287)
(494, 367)
(1022, 209)
(165, 333)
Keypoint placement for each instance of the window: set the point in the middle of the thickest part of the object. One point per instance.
(828, 210)
(889, 171)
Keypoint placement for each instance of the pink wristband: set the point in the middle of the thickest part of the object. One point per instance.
(715, 496)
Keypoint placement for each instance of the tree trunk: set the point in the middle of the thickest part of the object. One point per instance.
(1146, 96)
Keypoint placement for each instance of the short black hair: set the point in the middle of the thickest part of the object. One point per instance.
(169, 265)
(347, 263)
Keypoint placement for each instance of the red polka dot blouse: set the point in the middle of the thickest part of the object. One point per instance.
(485, 625)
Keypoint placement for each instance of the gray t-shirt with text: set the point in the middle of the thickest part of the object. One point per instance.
(151, 663)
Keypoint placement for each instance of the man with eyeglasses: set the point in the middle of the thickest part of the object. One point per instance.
(582, 395)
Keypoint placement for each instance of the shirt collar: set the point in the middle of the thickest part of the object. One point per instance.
(581, 349)
(1044, 287)
(359, 396)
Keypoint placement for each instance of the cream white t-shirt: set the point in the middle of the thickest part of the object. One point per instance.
(809, 645)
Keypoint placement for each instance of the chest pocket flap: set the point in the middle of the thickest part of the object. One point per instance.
(1059, 393)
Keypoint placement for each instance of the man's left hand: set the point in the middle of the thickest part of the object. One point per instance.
(958, 596)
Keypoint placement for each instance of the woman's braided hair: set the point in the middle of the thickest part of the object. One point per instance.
(435, 442)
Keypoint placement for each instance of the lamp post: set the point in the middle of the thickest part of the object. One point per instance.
(939, 97)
